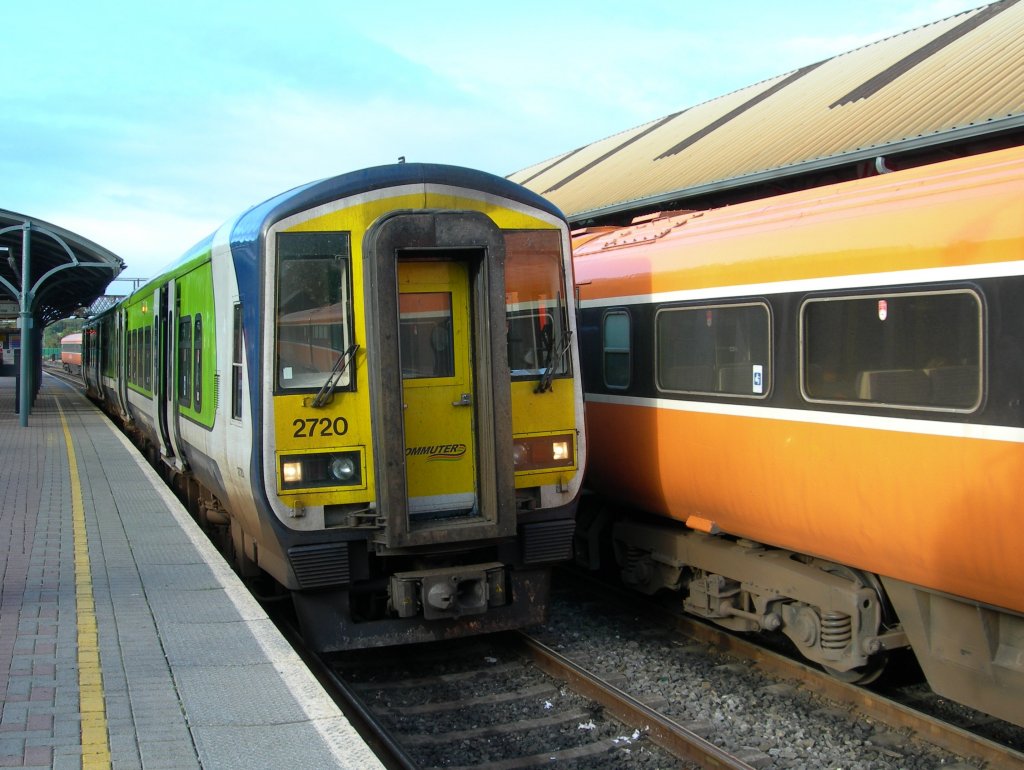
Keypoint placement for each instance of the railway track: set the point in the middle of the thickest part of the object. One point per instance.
(618, 700)
(898, 715)
(508, 701)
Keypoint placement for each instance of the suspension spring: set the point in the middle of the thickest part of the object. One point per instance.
(836, 630)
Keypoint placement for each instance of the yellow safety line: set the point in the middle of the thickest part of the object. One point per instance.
(95, 744)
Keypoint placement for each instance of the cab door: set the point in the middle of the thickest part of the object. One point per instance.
(162, 367)
(437, 342)
(438, 397)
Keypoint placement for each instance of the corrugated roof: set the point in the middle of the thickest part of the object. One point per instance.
(942, 83)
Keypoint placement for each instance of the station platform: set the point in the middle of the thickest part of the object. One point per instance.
(125, 640)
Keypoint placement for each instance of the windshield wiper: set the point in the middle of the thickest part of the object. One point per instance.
(558, 350)
(326, 394)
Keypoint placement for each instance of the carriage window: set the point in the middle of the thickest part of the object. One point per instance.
(714, 349)
(535, 303)
(313, 311)
(185, 361)
(197, 379)
(911, 350)
(129, 357)
(148, 356)
(425, 335)
(236, 364)
(135, 356)
(616, 343)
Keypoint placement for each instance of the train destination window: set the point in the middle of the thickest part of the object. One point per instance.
(425, 335)
(714, 349)
(535, 305)
(615, 336)
(313, 308)
(916, 350)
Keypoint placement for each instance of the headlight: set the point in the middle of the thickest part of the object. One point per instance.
(520, 454)
(321, 469)
(343, 468)
(530, 453)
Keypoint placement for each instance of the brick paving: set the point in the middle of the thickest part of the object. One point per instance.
(191, 672)
(38, 683)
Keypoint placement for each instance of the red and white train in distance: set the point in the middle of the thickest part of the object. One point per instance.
(71, 352)
(807, 415)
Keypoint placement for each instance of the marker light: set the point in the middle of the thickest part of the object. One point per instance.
(530, 453)
(291, 473)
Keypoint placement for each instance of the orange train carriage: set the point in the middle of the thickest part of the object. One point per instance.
(806, 414)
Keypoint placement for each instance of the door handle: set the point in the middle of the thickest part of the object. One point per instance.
(466, 400)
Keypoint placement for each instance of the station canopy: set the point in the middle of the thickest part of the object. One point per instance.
(949, 88)
(68, 273)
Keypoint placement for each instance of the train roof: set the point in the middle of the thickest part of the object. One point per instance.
(939, 218)
(941, 88)
(71, 339)
(246, 229)
(253, 222)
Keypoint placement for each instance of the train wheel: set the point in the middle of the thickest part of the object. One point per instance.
(876, 663)
(863, 675)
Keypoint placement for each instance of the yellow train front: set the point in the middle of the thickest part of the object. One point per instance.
(367, 388)
(420, 418)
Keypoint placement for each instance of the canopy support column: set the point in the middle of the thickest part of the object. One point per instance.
(25, 324)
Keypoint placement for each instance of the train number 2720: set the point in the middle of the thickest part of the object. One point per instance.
(319, 426)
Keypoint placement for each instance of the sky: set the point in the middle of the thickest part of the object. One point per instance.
(144, 126)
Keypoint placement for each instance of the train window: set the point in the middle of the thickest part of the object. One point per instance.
(136, 353)
(615, 337)
(148, 358)
(133, 354)
(197, 356)
(425, 337)
(915, 350)
(714, 349)
(185, 361)
(535, 303)
(236, 364)
(313, 312)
